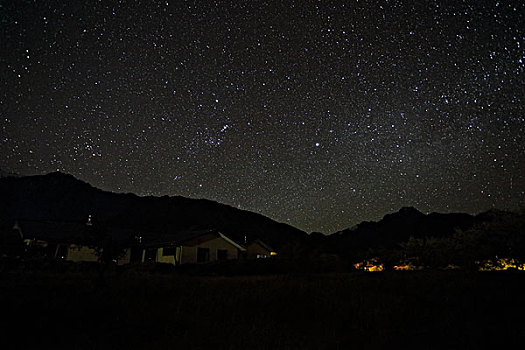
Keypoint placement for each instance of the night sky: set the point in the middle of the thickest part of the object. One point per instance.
(319, 114)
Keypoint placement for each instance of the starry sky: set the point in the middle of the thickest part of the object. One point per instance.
(320, 114)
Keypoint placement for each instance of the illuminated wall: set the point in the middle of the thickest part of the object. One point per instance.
(78, 253)
(210, 250)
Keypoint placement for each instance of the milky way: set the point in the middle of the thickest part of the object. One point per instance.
(316, 113)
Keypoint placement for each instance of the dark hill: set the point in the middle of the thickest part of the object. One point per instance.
(396, 228)
(62, 198)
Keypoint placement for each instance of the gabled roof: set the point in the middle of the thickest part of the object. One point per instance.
(192, 238)
(241, 248)
(262, 244)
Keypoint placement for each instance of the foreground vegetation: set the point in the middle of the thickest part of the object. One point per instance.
(137, 309)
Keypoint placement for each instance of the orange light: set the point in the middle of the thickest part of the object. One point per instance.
(374, 268)
(501, 264)
(407, 267)
(369, 266)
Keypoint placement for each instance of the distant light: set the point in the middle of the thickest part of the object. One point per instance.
(372, 265)
(501, 264)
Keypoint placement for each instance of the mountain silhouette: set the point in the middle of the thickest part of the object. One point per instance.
(58, 197)
(61, 198)
(398, 227)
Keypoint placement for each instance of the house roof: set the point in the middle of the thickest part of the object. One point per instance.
(192, 238)
(264, 245)
(52, 230)
(238, 246)
(77, 232)
(72, 231)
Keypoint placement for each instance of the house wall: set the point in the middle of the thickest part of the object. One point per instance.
(255, 249)
(168, 259)
(125, 259)
(189, 254)
(77, 253)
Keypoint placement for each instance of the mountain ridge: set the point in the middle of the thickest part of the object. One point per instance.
(62, 197)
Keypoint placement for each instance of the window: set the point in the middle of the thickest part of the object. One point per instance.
(203, 255)
(151, 255)
(135, 255)
(169, 251)
(222, 254)
(62, 251)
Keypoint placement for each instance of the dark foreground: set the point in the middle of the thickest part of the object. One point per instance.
(144, 310)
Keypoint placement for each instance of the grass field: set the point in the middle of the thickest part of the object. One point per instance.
(147, 310)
